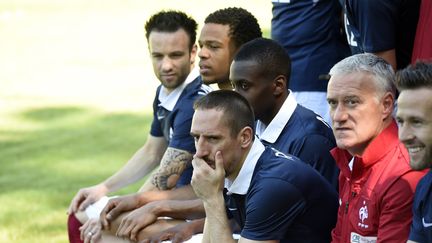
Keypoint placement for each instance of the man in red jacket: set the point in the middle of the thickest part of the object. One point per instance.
(376, 183)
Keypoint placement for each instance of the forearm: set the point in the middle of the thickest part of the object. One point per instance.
(181, 193)
(180, 209)
(172, 165)
(217, 227)
(389, 56)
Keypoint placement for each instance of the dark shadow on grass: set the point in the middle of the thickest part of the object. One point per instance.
(64, 155)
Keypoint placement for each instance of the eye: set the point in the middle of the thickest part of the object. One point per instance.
(351, 102)
(332, 103)
(240, 85)
(157, 56)
(176, 55)
(399, 121)
(417, 122)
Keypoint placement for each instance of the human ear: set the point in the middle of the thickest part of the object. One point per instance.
(246, 137)
(388, 104)
(279, 85)
(193, 53)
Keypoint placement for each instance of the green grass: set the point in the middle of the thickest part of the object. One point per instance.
(76, 88)
(47, 154)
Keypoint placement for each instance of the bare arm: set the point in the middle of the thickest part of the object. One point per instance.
(171, 167)
(389, 56)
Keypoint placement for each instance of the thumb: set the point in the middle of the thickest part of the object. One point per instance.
(219, 163)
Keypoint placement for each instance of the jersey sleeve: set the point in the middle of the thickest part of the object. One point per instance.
(315, 151)
(156, 126)
(416, 231)
(181, 138)
(377, 22)
(269, 215)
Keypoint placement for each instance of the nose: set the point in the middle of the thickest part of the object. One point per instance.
(338, 114)
(166, 64)
(203, 53)
(201, 147)
(405, 133)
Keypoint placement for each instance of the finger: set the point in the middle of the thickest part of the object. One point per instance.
(83, 229)
(125, 229)
(75, 203)
(84, 204)
(105, 216)
(135, 230)
(219, 163)
(178, 238)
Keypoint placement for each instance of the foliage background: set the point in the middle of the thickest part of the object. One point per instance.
(76, 88)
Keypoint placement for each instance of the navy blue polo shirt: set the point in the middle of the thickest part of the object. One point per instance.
(299, 131)
(172, 117)
(421, 227)
(381, 25)
(278, 197)
(309, 30)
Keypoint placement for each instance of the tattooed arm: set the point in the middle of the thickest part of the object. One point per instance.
(172, 165)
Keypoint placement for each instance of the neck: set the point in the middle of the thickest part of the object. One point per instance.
(235, 173)
(268, 117)
(225, 85)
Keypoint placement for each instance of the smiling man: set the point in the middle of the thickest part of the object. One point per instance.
(376, 184)
(414, 116)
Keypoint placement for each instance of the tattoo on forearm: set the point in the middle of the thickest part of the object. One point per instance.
(172, 165)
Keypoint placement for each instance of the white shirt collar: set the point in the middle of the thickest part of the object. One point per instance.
(168, 101)
(241, 183)
(276, 126)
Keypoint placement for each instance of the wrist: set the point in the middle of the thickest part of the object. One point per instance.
(104, 188)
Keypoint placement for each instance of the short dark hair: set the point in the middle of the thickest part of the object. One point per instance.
(271, 57)
(171, 21)
(237, 111)
(415, 76)
(243, 25)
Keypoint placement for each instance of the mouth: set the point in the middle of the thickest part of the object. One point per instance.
(204, 68)
(342, 129)
(413, 150)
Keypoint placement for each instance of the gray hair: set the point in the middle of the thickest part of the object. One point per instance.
(376, 66)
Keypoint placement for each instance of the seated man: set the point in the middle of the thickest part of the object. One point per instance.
(376, 184)
(260, 72)
(224, 32)
(171, 38)
(414, 116)
(273, 197)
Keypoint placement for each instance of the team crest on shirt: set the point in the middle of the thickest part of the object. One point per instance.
(363, 215)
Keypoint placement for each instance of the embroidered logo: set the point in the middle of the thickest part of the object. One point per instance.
(426, 225)
(356, 238)
(363, 214)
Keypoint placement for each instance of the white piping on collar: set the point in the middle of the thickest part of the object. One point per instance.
(168, 101)
(272, 132)
(241, 183)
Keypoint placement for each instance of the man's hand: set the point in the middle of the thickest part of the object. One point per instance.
(86, 196)
(179, 233)
(137, 220)
(208, 182)
(116, 206)
(90, 231)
